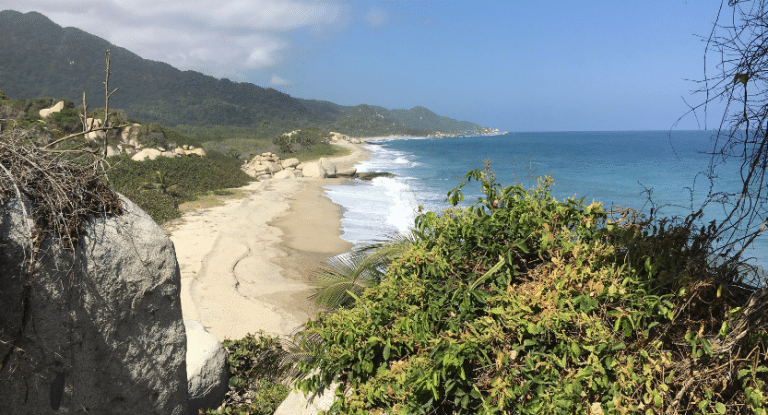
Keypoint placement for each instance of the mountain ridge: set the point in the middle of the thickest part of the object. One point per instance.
(39, 58)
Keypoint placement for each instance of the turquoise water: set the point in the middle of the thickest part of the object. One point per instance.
(617, 168)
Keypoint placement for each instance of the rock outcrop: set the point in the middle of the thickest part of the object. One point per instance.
(93, 123)
(291, 162)
(328, 166)
(315, 170)
(348, 172)
(267, 166)
(101, 329)
(147, 153)
(45, 112)
(207, 372)
(284, 174)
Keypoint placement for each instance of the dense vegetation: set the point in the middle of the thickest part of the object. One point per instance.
(525, 304)
(154, 185)
(255, 369)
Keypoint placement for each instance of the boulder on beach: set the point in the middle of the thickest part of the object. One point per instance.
(314, 169)
(328, 166)
(207, 370)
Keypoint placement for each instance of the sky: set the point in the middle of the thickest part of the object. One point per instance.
(516, 65)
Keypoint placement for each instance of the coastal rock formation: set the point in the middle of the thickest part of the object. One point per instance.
(207, 372)
(102, 329)
(45, 112)
(328, 166)
(284, 174)
(273, 167)
(336, 137)
(349, 172)
(291, 162)
(267, 166)
(315, 170)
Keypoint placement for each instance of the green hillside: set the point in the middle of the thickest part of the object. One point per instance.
(39, 58)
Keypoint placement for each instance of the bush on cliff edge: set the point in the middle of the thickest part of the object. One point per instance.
(525, 304)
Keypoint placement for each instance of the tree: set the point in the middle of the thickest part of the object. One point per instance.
(739, 38)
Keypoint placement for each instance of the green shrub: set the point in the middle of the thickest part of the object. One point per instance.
(525, 304)
(255, 374)
(305, 139)
(67, 120)
(190, 177)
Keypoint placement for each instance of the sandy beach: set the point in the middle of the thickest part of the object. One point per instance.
(245, 266)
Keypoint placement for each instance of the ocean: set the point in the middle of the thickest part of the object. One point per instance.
(617, 168)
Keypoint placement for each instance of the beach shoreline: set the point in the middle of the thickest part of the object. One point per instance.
(246, 265)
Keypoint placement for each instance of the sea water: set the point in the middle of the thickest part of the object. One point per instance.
(635, 169)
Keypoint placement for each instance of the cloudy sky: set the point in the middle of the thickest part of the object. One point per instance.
(517, 65)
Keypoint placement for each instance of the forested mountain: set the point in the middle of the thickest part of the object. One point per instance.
(39, 58)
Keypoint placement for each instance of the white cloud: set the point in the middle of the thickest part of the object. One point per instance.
(221, 38)
(376, 17)
(278, 81)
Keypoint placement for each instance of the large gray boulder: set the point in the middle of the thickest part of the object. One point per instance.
(328, 166)
(207, 371)
(314, 169)
(101, 331)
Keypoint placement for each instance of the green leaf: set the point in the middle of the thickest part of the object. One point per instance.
(720, 408)
(703, 404)
(488, 274)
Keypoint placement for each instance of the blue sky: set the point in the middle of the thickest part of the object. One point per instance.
(513, 65)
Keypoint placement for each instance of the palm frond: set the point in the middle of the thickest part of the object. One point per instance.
(356, 271)
(351, 272)
(295, 351)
